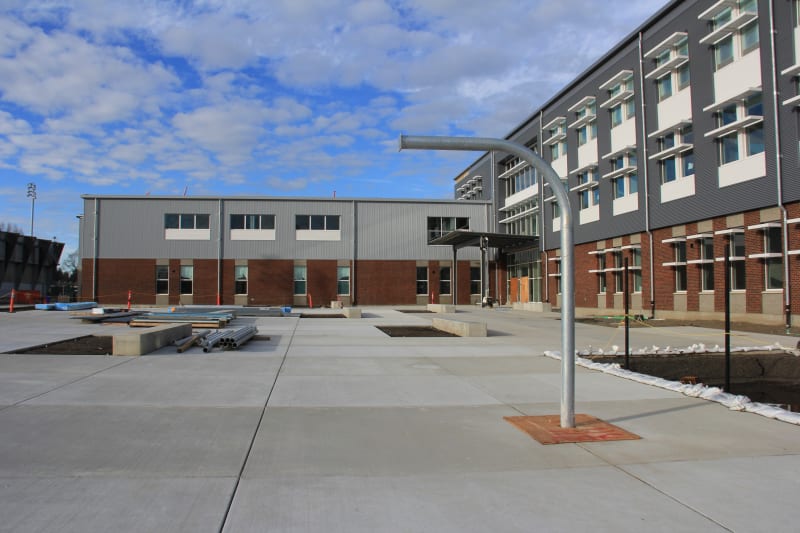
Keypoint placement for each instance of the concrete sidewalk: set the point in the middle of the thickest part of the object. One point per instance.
(333, 426)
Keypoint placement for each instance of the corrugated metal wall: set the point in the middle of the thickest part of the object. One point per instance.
(133, 228)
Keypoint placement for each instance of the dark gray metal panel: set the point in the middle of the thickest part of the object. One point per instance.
(398, 231)
(788, 116)
(709, 199)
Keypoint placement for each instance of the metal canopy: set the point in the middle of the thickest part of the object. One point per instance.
(507, 243)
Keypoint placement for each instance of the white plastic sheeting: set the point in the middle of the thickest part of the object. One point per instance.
(714, 394)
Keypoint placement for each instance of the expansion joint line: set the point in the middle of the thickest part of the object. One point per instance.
(660, 491)
(67, 384)
(255, 431)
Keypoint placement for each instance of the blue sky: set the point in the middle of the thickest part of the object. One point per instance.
(271, 97)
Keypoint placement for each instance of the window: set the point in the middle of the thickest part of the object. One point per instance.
(687, 160)
(557, 275)
(736, 253)
(666, 169)
(755, 139)
(343, 280)
(474, 280)
(422, 280)
(583, 135)
(723, 52)
(728, 148)
(240, 279)
(616, 115)
(707, 264)
(554, 151)
(300, 280)
(253, 222)
(601, 275)
(636, 264)
(630, 108)
(683, 76)
(186, 221)
(773, 266)
(444, 280)
(619, 187)
(317, 222)
(438, 226)
(162, 279)
(750, 37)
(679, 249)
(664, 87)
(556, 210)
(187, 279)
(618, 270)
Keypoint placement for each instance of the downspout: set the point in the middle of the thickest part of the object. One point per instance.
(787, 302)
(495, 228)
(543, 233)
(353, 255)
(219, 253)
(96, 250)
(646, 180)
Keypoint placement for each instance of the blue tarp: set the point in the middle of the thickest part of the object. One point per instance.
(74, 306)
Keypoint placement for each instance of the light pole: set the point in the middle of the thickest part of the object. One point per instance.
(32, 196)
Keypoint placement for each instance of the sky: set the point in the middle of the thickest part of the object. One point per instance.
(271, 97)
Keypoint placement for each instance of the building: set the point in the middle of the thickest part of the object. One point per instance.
(680, 146)
(278, 251)
(28, 265)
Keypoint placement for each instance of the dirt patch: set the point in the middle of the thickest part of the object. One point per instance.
(414, 331)
(418, 311)
(763, 376)
(613, 322)
(88, 345)
(329, 315)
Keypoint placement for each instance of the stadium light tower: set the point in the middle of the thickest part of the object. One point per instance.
(32, 196)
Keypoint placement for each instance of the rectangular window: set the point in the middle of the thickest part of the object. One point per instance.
(636, 263)
(554, 154)
(601, 275)
(438, 226)
(736, 250)
(186, 221)
(616, 115)
(773, 266)
(618, 273)
(444, 280)
(723, 52)
(300, 280)
(619, 187)
(343, 280)
(683, 76)
(240, 279)
(254, 222)
(707, 268)
(664, 87)
(687, 163)
(680, 267)
(666, 168)
(422, 280)
(633, 184)
(162, 279)
(728, 148)
(317, 222)
(187, 279)
(630, 108)
(750, 37)
(474, 280)
(583, 133)
(755, 139)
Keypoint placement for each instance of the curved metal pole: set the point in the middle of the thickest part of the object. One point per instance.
(567, 244)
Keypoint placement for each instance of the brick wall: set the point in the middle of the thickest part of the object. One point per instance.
(270, 282)
(321, 281)
(387, 282)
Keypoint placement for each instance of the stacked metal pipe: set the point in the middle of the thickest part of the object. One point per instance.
(233, 340)
(212, 339)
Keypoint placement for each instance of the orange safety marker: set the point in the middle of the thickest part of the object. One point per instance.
(310, 301)
(11, 304)
(130, 293)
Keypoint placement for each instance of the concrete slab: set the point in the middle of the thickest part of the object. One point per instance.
(23, 377)
(61, 441)
(600, 499)
(460, 327)
(88, 504)
(214, 380)
(140, 341)
(742, 493)
(401, 441)
(376, 391)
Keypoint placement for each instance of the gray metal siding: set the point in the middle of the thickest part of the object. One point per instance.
(789, 117)
(399, 231)
(133, 228)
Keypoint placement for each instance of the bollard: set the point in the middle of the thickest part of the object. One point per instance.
(11, 303)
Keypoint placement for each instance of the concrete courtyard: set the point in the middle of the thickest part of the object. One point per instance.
(333, 426)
